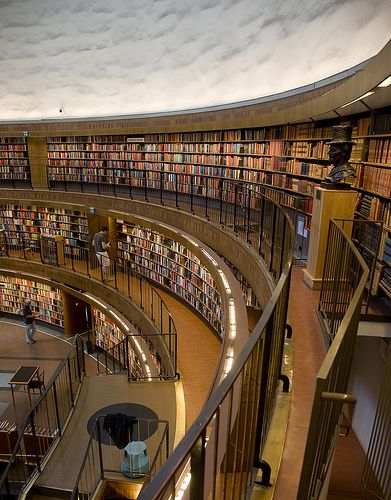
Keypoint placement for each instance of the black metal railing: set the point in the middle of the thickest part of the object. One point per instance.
(27, 246)
(343, 285)
(226, 441)
(144, 450)
(128, 357)
(216, 457)
(376, 477)
(342, 270)
(44, 423)
(218, 197)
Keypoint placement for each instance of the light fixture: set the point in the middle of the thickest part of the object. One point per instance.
(385, 83)
(359, 98)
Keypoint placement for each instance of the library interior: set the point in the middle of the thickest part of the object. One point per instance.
(210, 290)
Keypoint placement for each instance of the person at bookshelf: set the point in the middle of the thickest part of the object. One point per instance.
(340, 148)
(101, 245)
(29, 321)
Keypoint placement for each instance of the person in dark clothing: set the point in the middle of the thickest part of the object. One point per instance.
(101, 245)
(29, 321)
(120, 428)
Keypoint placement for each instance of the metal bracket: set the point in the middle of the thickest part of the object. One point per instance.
(266, 473)
(347, 399)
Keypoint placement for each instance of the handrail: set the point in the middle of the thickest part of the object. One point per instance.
(210, 410)
(27, 246)
(44, 423)
(350, 272)
(119, 357)
(242, 410)
(157, 451)
(337, 289)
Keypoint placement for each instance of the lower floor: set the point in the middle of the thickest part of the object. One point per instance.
(198, 352)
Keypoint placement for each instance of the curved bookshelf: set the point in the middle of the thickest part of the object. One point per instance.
(45, 300)
(171, 265)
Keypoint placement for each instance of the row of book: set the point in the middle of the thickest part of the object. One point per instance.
(108, 335)
(162, 247)
(13, 154)
(380, 151)
(9, 210)
(45, 300)
(375, 180)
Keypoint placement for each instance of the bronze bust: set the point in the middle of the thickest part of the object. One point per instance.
(340, 148)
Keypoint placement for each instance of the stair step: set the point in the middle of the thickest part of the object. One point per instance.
(43, 493)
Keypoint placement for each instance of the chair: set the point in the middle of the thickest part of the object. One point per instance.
(37, 385)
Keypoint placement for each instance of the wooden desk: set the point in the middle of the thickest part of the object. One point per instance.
(23, 376)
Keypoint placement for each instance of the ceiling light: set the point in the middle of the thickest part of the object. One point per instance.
(359, 98)
(386, 82)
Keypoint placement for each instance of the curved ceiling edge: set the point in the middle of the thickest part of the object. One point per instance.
(302, 106)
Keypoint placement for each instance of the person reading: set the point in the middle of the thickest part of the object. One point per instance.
(101, 245)
(29, 322)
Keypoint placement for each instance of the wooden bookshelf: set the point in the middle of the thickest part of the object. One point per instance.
(374, 241)
(45, 300)
(32, 221)
(108, 335)
(14, 162)
(171, 265)
(290, 158)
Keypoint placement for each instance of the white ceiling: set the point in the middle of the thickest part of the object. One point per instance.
(109, 57)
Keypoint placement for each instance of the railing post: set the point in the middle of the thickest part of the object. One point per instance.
(221, 184)
(33, 432)
(272, 245)
(206, 198)
(130, 181)
(176, 190)
(235, 201)
(197, 461)
(97, 180)
(145, 185)
(113, 177)
(127, 357)
(56, 407)
(115, 275)
(161, 187)
(248, 214)
(72, 259)
(100, 448)
(262, 213)
(260, 464)
(70, 377)
(191, 193)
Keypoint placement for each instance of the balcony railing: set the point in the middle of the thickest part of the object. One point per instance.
(220, 450)
(147, 439)
(346, 275)
(27, 246)
(44, 424)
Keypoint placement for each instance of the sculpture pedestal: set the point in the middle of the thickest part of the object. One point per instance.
(328, 204)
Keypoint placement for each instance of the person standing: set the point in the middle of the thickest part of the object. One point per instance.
(29, 321)
(101, 245)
